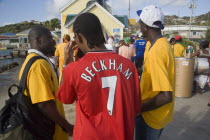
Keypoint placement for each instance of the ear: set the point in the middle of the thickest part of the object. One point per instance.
(146, 27)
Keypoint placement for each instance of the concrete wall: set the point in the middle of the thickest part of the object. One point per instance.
(196, 32)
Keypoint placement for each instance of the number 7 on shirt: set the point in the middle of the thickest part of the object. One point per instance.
(110, 82)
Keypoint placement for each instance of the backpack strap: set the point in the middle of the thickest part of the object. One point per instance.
(22, 84)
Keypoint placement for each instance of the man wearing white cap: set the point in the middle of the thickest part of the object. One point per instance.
(157, 81)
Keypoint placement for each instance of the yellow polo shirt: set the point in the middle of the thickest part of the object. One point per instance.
(178, 50)
(42, 86)
(158, 75)
(59, 52)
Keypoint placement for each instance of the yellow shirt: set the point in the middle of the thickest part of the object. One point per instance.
(158, 75)
(59, 52)
(42, 86)
(178, 50)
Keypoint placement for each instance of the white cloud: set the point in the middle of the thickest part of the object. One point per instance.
(6, 23)
(53, 7)
(120, 6)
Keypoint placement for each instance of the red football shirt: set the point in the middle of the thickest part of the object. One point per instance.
(105, 87)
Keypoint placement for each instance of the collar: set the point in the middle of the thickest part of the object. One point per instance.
(42, 55)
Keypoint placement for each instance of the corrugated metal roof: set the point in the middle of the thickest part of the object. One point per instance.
(69, 18)
(26, 32)
(88, 8)
(8, 34)
(123, 20)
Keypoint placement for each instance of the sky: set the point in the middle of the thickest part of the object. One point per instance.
(15, 11)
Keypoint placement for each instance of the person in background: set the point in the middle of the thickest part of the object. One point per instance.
(42, 83)
(178, 48)
(52, 58)
(110, 44)
(158, 78)
(128, 51)
(59, 53)
(140, 48)
(104, 85)
(120, 43)
(202, 68)
(172, 42)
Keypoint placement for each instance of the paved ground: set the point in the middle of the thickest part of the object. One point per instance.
(191, 117)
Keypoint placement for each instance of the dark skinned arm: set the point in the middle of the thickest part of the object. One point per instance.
(162, 98)
(49, 109)
(195, 54)
(68, 55)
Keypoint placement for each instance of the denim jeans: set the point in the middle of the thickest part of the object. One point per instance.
(144, 132)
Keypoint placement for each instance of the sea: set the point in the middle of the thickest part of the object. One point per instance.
(9, 61)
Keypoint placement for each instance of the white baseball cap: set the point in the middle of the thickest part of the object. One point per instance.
(150, 15)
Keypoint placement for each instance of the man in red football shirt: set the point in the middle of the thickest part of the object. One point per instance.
(104, 85)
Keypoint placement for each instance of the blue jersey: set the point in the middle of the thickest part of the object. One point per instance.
(140, 48)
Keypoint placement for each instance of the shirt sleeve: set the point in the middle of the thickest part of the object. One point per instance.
(57, 52)
(66, 93)
(159, 73)
(40, 84)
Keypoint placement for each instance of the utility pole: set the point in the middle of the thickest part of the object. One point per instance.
(129, 9)
(191, 6)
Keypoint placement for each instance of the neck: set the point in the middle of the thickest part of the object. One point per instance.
(98, 48)
(39, 50)
(153, 35)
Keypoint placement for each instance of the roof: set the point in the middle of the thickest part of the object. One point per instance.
(26, 32)
(7, 37)
(66, 5)
(185, 28)
(8, 34)
(88, 8)
(69, 18)
(123, 20)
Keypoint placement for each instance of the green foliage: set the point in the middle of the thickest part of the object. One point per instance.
(208, 35)
(54, 23)
(19, 27)
(186, 43)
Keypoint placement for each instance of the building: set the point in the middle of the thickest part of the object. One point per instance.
(9, 40)
(112, 25)
(193, 32)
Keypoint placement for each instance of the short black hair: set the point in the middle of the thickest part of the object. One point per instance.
(89, 25)
(36, 33)
(172, 39)
(132, 40)
(204, 43)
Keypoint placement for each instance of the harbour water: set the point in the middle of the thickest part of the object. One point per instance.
(4, 62)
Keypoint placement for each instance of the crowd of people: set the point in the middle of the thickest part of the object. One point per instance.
(112, 102)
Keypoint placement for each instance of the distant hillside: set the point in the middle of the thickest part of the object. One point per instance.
(203, 20)
(19, 27)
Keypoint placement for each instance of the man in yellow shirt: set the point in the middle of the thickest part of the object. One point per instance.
(59, 52)
(178, 48)
(157, 81)
(42, 83)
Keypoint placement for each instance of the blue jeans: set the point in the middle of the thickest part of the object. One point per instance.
(144, 132)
